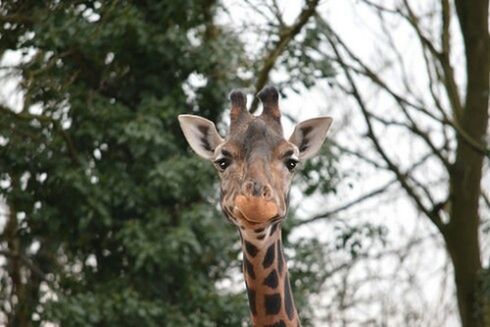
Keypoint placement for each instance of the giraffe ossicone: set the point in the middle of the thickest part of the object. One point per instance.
(256, 165)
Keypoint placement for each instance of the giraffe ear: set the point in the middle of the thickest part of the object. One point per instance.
(201, 134)
(309, 135)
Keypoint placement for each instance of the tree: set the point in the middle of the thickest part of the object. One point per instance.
(104, 222)
(447, 118)
(109, 219)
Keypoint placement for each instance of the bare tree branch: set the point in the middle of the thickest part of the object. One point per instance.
(380, 190)
(333, 40)
(259, 11)
(450, 85)
(286, 35)
(381, 8)
(356, 154)
(441, 56)
(485, 198)
(366, 71)
(277, 13)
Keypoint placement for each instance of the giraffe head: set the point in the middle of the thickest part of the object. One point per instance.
(255, 162)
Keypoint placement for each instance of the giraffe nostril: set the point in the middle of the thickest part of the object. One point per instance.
(267, 192)
(256, 189)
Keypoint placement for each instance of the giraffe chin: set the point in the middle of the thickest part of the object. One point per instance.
(256, 210)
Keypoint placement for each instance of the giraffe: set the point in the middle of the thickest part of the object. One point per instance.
(256, 164)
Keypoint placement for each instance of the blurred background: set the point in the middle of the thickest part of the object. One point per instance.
(108, 219)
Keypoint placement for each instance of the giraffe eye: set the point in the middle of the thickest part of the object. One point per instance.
(291, 164)
(223, 163)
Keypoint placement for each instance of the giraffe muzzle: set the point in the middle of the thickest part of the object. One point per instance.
(256, 209)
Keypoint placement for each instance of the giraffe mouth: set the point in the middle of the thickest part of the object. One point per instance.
(255, 209)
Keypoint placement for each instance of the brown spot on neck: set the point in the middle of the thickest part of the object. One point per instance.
(267, 279)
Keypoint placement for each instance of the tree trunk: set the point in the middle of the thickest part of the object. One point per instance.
(465, 175)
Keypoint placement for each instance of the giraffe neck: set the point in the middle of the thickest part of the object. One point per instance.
(266, 278)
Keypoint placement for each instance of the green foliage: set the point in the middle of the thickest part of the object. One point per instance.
(320, 173)
(308, 270)
(303, 60)
(105, 198)
(356, 240)
(116, 204)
